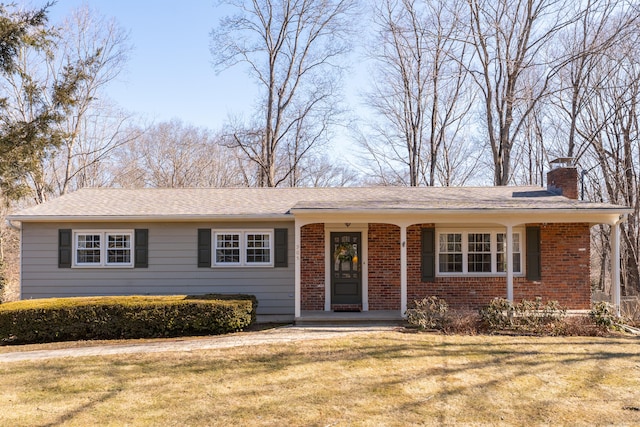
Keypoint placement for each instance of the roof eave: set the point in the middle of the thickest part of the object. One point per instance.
(148, 218)
(302, 212)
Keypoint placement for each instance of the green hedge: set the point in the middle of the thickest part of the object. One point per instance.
(91, 318)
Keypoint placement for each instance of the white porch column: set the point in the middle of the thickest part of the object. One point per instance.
(297, 292)
(509, 243)
(403, 269)
(615, 265)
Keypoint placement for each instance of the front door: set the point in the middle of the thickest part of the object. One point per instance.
(346, 271)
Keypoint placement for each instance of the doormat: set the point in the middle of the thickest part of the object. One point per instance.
(347, 309)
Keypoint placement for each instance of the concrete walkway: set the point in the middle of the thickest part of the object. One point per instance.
(284, 334)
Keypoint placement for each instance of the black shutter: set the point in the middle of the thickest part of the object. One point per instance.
(204, 247)
(428, 254)
(141, 248)
(534, 267)
(65, 249)
(281, 246)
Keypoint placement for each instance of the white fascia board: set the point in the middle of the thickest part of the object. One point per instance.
(492, 211)
(152, 218)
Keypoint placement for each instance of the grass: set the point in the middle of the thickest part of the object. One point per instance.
(387, 378)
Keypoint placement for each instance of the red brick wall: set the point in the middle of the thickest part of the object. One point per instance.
(565, 273)
(384, 267)
(565, 267)
(565, 270)
(312, 267)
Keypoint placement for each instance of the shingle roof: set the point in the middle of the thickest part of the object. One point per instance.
(277, 202)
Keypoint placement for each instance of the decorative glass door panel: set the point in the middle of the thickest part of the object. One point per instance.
(346, 268)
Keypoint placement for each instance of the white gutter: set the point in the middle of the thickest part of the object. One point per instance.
(568, 210)
(149, 218)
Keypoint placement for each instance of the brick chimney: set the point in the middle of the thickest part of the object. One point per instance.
(563, 178)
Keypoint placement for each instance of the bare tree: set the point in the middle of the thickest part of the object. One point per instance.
(460, 163)
(603, 24)
(323, 171)
(34, 99)
(512, 68)
(293, 49)
(172, 155)
(419, 89)
(93, 129)
(530, 157)
(88, 128)
(610, 123)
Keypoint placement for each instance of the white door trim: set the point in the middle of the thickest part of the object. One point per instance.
(364, 230)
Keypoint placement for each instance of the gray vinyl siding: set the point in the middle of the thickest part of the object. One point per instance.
(173, 267)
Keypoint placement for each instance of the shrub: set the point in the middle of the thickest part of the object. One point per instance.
(428, 313)
(604, 315)
(530, 317)
(498, 314)
(64, 319)
(526, 316)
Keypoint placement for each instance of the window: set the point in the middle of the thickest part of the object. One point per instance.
(243, 248)
(501, 256)
(258, 248)
(228, 248)
(479, 252)
(103, 249)
(450, 256)
(88, 249)
(118, 249)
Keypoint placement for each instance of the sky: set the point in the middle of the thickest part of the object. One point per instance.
(170, 73)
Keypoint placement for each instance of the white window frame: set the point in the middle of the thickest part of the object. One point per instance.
(243, 246)
(104, 237)
(482, 253)
(448, 252)
(494, 252)
(214, 248)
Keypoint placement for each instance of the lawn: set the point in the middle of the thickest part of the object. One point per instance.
(387, 378)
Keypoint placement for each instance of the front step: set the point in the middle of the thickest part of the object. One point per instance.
(379, 317)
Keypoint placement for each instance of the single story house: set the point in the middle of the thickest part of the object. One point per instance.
(306, 250)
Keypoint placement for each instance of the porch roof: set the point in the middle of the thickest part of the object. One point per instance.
(108, 204)
(452, 198)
